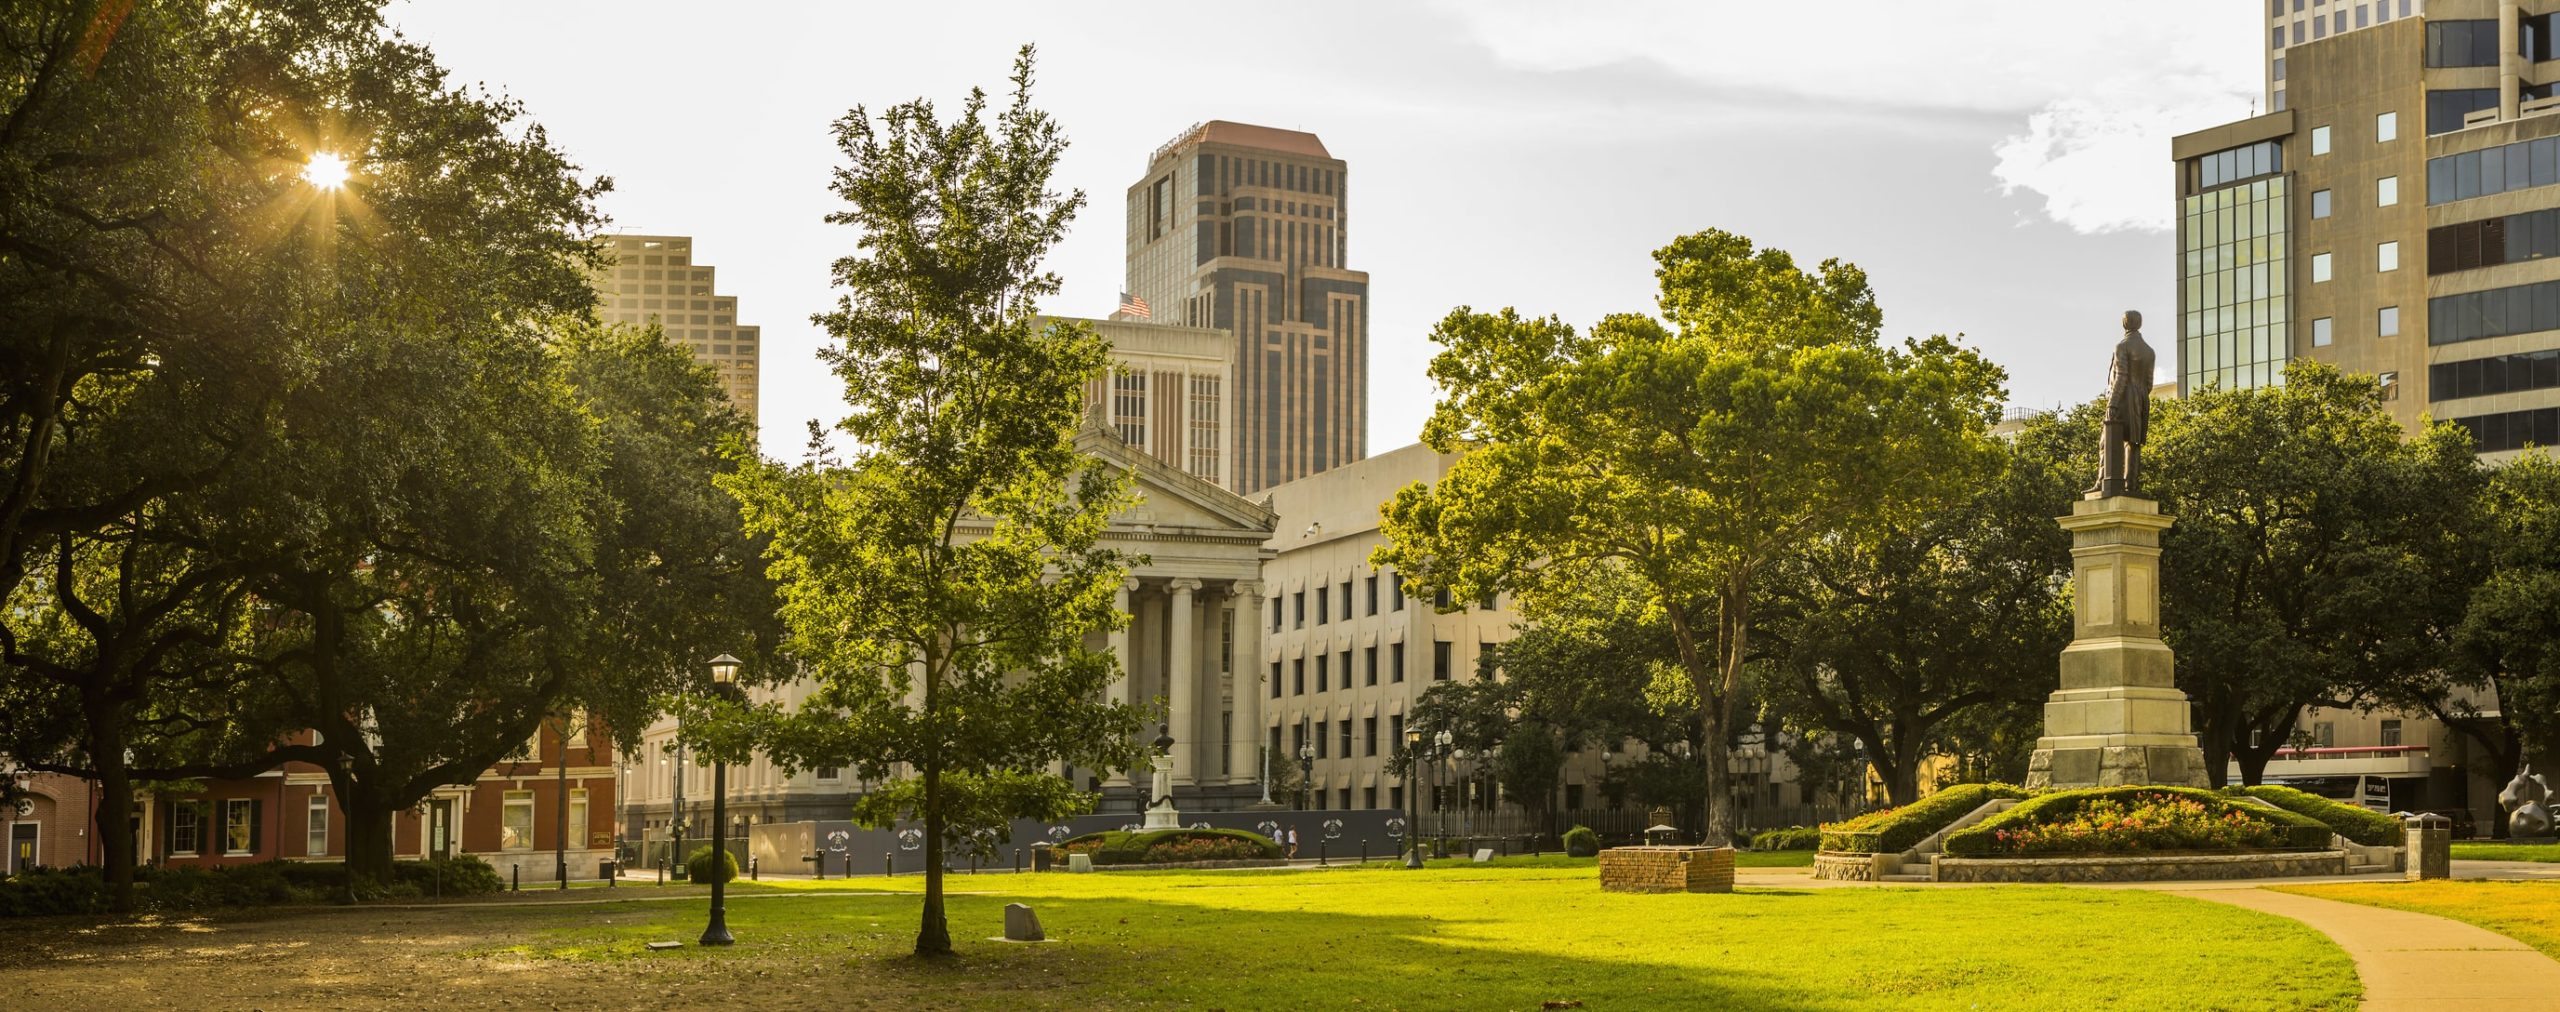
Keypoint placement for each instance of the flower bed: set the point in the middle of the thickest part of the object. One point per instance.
(1892, 830)
(1172, 846)
(2121, 820)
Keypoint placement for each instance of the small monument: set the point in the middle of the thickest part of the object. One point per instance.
(1160, 811)
(2527, 819)
(1021, 925)
(2118, 718)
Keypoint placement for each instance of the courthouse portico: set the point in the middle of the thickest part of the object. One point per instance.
(1193, 590)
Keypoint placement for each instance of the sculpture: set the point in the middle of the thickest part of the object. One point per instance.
(2523, 798)
(2128, 420)
(1159, 809)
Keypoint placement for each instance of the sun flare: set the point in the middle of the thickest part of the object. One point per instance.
(326, 170)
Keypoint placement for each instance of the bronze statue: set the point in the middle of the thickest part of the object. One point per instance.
(2128, 420)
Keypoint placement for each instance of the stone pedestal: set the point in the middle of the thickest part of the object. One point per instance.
(2119, 717)
(1160, 811)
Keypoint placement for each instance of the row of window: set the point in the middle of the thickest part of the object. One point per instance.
(2472, 316)
(2448, 107)
(2386, 193)
(1325, 602)
(2462, 43)
(2386, 323)
(2487, 171)
(2513, 430)
(2497, 374)
(2248, 161)
(2321, 25)
(2488, 242)
(2386, 258)
(1325, 668)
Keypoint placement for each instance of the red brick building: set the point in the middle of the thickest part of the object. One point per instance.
(49, 826)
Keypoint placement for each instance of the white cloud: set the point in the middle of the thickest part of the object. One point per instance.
(2095, 91)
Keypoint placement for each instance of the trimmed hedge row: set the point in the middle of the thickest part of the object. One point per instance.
(2296, 832)
(83, 889)
(1790, 838)
(1165, 846)
(2370, 828)
(1893, 830)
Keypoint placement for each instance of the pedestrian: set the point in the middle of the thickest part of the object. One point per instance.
(1293, 842)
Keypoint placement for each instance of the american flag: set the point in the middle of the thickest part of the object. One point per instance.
(1135, 306)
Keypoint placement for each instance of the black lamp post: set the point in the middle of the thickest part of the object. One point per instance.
(724, 682)
(1306, 772)
(1440, 749)
(1412, 797)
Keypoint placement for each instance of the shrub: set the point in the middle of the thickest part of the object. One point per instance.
(2370, 828)
(83, 890)
(1891, 830)
(1790, 838)
(1201, 848)
(701, 866)
(1115, 847)
(2136, 819)
(1580, 841)
(39, 892)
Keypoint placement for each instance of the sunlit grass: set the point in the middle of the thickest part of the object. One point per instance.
(2544, 852)
(1462, 935)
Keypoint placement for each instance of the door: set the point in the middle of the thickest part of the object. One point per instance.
(22, 845)
(440, 828)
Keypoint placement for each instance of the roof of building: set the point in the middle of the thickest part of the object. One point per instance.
(1294, 142)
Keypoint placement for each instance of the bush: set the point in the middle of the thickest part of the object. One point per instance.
(1580, 841)
(1892, 830)
(1161, 846)
(2136, 819)
(1790, 838)
(83, 890)
(2370, 828)
(701, 867)
(40, 892)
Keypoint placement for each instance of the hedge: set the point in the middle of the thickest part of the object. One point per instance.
(1116, 847)
(1790, 838)
(1581, 841)
(698, 867)
(2370, 828)
(1981, 839)
(1893, 830)
(83, 889)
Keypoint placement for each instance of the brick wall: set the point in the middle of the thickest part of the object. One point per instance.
(1667, 869)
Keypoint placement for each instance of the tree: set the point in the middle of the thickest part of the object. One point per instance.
(941, 583)
(2316, 555)
(1759, 416)
(1886, 641)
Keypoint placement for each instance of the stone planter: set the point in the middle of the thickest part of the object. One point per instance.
(2142, 867)
(1667, 869)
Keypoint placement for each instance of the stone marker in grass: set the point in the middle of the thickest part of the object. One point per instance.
(1021, 925)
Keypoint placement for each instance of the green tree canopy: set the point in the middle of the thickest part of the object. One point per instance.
(1759, 415)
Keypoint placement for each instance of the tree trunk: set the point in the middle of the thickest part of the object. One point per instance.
(1901, 772)
(933, 937)
(368, 834)
(2253, 761)
(115, 803)
(2213, 735)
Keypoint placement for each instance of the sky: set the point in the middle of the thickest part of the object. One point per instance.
(2000, 168)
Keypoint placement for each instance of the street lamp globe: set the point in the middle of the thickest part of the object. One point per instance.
(724, 670)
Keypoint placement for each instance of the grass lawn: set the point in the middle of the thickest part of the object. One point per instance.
(2543, 852)
(1455, 935)
(2528, 912)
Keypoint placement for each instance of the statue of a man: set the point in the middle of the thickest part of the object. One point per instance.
(2128, 419)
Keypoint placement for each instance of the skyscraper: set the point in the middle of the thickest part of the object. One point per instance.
(2292, 23)
(653, 277)
(1241, 228)
(2400, 218)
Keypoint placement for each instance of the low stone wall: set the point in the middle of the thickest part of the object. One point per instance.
(1667, 869)
(1844, 866)
(2142, 867)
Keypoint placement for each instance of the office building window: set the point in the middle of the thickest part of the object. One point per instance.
(1345, 725)
(2319, 204)
(1395, 662)
(1346, 600)
(1298, 677)
(1372, 594)
(2489, 242)
(239, 827)
(2386, 257)
(2386, 127)
(1320, 678)
(1440, 660)
(315, 826)
(2495, 170)
(1395, 593)
(2386, 322)
(2279, 67)
(2462, 43)
(1275, 615)
(2320, 332)
(1205, 441)
(2319, 267)
(2498, 312)
(1129, 407)
(1369, 735)
(2497, 374)
(1369, 796)
(1346, 797)
(2389, 381)
(1298, 607)
(1321, 746)
(1368, 665)
(2534, 37)
(2320, 140)
(2447, 108)
(2386, 191)
(1395, 731)
(1324, 609)
(1345, 668)
(2390, 733)
(2513, 430)
(830, 774)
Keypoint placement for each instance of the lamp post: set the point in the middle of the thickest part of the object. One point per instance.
(1440, 749)
(1412, 797)
(724, 682)
(1306, 772)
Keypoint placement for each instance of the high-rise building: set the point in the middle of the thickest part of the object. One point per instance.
(2292, 23)
(2401, 218)
(1166, 395)
(1241, 228)
(653, 277)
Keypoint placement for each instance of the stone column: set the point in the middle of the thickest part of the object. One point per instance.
(1244, 745)
(1118, 640)
(2119, 717)
(1182, 683)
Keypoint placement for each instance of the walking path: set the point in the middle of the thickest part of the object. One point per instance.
(2411, 961)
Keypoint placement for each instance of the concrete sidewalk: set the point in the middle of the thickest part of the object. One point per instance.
(2412, 961)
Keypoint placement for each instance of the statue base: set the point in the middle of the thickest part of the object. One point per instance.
(1162, 817)
(2118, 718)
